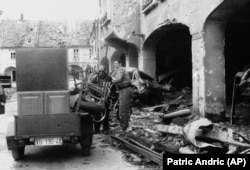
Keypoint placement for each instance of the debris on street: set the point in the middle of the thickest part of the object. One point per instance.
(172, 127)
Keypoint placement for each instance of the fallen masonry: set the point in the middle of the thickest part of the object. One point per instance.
(172, 128)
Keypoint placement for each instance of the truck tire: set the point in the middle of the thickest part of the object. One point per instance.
(18, 153)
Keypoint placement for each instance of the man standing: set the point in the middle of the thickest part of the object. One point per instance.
(121, 78)
(102, 78)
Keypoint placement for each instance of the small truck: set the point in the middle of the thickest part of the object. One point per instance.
(44, 117)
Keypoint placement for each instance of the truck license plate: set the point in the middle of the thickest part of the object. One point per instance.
(48, 141)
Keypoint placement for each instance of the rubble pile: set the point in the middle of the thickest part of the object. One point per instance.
(172, 127)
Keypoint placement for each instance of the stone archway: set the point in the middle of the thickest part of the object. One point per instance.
(11, 71)
(167, 55)
(221, 62)
(128, 51)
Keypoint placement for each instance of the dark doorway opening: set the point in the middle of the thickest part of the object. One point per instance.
(14, 75)
(237, 45)
(237, 60)
(174, 57)
(123, 59)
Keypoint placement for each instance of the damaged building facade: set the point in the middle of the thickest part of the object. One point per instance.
(118, 20)
(200, 44)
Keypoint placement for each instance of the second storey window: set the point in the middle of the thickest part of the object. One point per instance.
(13, 55)
(76, 54)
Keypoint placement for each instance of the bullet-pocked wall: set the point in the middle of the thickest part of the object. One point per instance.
(226, 38)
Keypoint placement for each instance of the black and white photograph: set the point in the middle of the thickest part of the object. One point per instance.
(124, 84)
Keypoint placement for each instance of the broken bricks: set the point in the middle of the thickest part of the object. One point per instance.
(187, 135)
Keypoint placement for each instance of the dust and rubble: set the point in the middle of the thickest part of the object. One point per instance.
(172, 127)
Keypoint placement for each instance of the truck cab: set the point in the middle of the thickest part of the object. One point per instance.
(43, 115)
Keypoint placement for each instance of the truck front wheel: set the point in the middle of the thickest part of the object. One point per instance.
(18, 153)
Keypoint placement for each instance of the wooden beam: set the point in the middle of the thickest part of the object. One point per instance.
(177, 113)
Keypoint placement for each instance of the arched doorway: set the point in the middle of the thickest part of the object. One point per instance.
(11, 71)
(167, 55)
(226, 36)
(126, 49)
